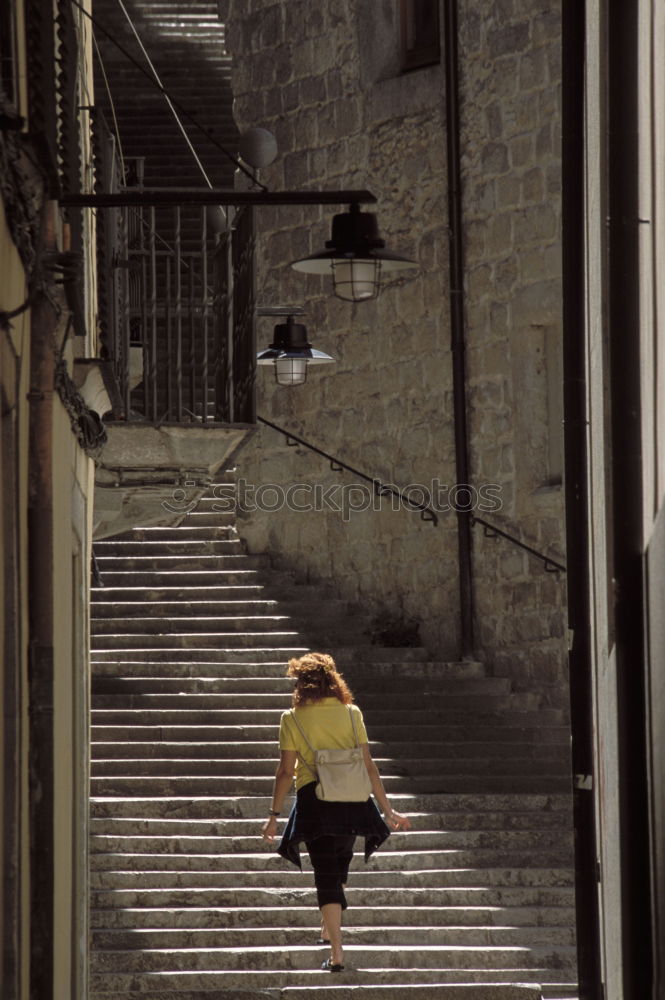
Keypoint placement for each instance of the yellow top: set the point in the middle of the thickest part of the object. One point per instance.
(327, 725)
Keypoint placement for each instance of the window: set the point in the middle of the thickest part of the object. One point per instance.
(419, 29)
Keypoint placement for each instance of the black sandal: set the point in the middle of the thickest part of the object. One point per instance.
(330, 966)
(323, 940)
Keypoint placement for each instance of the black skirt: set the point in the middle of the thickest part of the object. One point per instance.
(311, 818)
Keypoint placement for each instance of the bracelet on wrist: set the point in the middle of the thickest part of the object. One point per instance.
(271, 812)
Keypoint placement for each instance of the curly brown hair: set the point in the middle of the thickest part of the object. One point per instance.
(317, 677)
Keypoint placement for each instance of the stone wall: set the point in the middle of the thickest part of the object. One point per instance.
(345, 122)
(511, 122)
(324, 77)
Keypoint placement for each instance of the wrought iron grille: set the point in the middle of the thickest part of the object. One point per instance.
(182, 316)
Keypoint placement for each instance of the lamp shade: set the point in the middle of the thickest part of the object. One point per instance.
(355, 256)
(290, 371)
(291, 353)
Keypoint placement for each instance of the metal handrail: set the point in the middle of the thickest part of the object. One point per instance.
(491, 531)
(381, 489)
(426, 512)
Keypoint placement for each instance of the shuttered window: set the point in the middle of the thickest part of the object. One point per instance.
(419, 29)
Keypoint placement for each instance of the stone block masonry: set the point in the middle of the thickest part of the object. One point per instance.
(328, 86)
(511, 178)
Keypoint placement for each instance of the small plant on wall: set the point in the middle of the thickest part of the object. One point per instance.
(388, 629)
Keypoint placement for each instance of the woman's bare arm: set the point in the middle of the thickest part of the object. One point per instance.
(394, 819)
(283, 780)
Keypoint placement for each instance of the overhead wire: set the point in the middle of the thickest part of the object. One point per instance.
(183, 111)
(166, 95)
(116, 128)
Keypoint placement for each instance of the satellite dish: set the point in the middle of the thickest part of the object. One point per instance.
(258, 147)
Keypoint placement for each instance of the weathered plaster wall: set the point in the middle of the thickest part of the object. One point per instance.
(324, 78)
(14, 842)
(72, 478)
(25, 678)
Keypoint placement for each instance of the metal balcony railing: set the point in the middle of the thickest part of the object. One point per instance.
(177, 306)
(183, 306)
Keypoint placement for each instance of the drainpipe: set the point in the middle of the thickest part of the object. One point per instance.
(576, 500)
(43, 322)
(638, 882)
(456, 292)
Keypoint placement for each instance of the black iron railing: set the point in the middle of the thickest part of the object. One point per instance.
(491, 531)
(337, 465)
(176, 300)
(427, 513)
(183, 305)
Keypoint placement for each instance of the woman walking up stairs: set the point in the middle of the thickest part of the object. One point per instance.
(188, 902)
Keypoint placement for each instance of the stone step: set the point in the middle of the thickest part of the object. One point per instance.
(176, 751)
(193, 917)
(474, 778)
(232, 807)
(205, 608)
(218, 640)
(451, 984)
(183, 562)
(168, 851)
(217, 505)
(213, 692)
(139, 611)
(399, 871)
(153, 626)
(447, 991)
(478, 894)
(462, 824)
(489, 935)
(175, 736)
(212, 737)
(160, 709)
(363, 676)
(126, 580)
(107, 596)
(501, 725)
(288, 957)
(163, 677)
(395, 658)
(225, 525)
(437, 984)
(165, 767)
(206, 518)
(423, 985)
(147, 550)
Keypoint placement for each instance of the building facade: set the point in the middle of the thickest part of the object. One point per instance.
(454, 123)
(49, 435)
(330, 81)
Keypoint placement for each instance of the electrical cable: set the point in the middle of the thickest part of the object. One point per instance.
(116, 128)
(183, 111)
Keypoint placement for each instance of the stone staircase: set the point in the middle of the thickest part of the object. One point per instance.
(190, 641)
(186, 44)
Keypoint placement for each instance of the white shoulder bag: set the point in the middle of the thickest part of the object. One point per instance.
(342, 774)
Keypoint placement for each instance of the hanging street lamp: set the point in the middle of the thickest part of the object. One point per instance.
(355, 256)
(291, 353)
